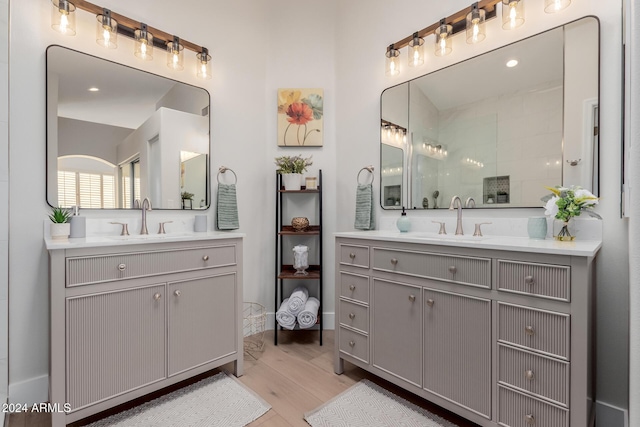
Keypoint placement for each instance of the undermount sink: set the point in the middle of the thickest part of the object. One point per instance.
(449, 237)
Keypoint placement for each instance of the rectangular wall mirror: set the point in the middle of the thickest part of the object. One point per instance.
(116, 134)
(495, 130)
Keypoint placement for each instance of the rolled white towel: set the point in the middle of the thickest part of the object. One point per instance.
(284, 317)
(297, 300)
(307, 317)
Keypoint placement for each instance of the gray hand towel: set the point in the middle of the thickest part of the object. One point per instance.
(364, 207)
(227, 207)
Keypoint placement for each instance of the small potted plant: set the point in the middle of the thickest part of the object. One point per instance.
(60, 227)
(291, 169)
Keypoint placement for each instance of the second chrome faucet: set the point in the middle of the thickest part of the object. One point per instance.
(144, 206)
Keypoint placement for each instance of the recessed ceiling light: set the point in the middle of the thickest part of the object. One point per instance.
(512, 63)
(94, 89)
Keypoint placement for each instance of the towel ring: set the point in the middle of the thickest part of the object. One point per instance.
(370, 170)
(224, 169)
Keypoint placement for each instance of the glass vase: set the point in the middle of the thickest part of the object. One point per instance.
(563, 230)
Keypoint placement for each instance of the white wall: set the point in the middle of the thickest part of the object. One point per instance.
(372, 25)
(74, 135)
(4, 197)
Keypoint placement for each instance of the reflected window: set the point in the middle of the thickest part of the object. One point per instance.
(130, 183)
(77, 187)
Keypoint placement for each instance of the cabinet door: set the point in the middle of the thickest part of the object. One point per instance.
(397, 329)
(457, 349)
(115, 343)
(202, 321)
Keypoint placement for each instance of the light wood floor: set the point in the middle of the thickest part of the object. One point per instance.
(294, 377)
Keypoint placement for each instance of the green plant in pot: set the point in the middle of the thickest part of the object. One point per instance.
(291, 169)
(60, 227)
(186, 195)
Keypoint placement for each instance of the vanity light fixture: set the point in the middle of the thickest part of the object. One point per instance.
(143, 47)
(203, 70)
(512, 14)
(393, 63)
(553, 6)
(443, 38)
(106, 30)
(416, 51)
(63, 17)
(476, 31)
(175, 54)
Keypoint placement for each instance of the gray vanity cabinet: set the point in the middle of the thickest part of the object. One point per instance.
(130, 319)
(200, 313)
(501, 337)
(115, 343)
(397, 329)
(457, 349)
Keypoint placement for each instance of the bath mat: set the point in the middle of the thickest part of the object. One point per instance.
(219, 400)
(367, 404)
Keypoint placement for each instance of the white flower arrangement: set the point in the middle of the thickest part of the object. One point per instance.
(567, 202)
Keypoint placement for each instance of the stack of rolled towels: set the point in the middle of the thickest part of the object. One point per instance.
(298, 307)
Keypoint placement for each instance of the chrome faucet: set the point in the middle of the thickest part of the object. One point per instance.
(145, 205)
(470, 202)
(453, 206)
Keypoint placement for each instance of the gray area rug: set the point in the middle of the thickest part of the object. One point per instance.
(220, 400)
(367, 404)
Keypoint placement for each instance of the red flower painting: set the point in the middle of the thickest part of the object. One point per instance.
(302, 109)
(299, 113)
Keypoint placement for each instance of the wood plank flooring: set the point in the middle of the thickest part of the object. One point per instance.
(294, 377)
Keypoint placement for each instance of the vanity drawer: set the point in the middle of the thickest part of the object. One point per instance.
(106, 268)
(540, 330)
(354, 315)
(541, 280)
(459, 269)
(354, 344)
(539, 375)
(519, 410)
(357, 256)
(354, 287)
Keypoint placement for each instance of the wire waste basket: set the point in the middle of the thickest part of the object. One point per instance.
(254, 319)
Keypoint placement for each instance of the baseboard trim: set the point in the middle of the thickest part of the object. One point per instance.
(34, 390)
(328, 321)
(611, 416)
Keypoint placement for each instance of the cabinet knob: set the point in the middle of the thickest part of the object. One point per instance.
(352, 343)
(352, 316)
(352, 288)
(529, 419)
(394, 261)
(177, 292)
(430, 302)
(528, 374)
(412, 298)
(528, 280)
(156, 296)
(122, 267)
(205, 258)
(352, 255)
(452, 269)
(529, 330)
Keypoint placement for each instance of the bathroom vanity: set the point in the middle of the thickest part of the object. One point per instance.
(497, 330)
(133, 314)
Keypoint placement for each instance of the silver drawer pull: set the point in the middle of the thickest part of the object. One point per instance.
(122, 267)
(529, 374)
(529, 330)
(528, 280)
(352, 316)
(352, 255)
(352, 288)
(156, 296)
(452, 269)
(352, 343)
(394, 261)
(529, 419)
(205, 258)
(430, 302)
(412, 298)
(177, 292)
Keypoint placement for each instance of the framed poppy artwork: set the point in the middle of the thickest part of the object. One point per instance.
(300, 117)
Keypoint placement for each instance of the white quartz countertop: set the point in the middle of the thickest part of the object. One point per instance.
(136, 239)
(578, 247)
